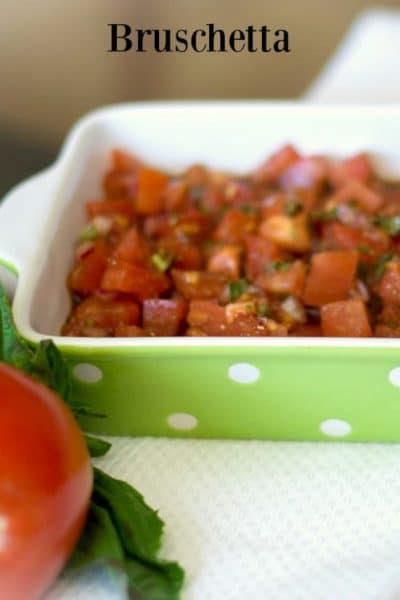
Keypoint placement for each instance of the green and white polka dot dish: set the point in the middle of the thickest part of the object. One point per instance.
(271, 388)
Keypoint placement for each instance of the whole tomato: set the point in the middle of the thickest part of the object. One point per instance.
(45, 485)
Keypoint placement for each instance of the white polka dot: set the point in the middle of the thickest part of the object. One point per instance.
(182, 421)
(335, 427)
(394, 376)
(244, 373)
(88, 373)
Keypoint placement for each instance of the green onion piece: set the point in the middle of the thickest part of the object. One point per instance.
(280, 266)
(162, 261)
(380, 265)
(236, 289)
(88, 234)
(391, 225)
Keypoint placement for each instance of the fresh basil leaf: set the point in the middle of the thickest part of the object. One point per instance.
(99, 540)
(139, 529)
(13, 349)
(96, 446)
(156, 580)
(49, 366)
(139, 525)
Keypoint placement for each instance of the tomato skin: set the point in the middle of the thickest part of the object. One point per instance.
(389, 286)
(198, 284)
(365, 198)
(125, 277)
(330, 278)
(260, 252)
(152, 185)
(234, 226)
(110, 208)
(163, 317)
(276, 164)
(87, 274)
(290, 281)
(46, 483)
(346, 318)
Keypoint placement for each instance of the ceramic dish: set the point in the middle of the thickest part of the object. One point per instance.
(268, 388)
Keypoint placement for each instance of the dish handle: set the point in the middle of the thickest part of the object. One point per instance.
(22, 212)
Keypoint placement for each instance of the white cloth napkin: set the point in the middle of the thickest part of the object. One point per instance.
(284, 521)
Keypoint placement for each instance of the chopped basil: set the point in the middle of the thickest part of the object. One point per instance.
(236, 289)
(380, 265)
(293, 207)
(391, 324)
(88, 234)
(366, 250)
(247, 209)
(280, 266)
(324, 215)
(162, 261)
(263, 309)
(391, 225)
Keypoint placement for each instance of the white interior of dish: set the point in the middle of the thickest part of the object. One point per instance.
(226, 136)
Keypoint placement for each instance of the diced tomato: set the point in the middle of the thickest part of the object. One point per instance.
(307, 330)
(287, 281)
(388, 325)
(185, 255)
(389, 285)
(331, 277)
(362, 196)
(159, 225)
(88, 272)
(226, 260)
(176, 195)
(290, 233)
(346, 318)
(190, 225)
(96, 313)
(118, 206)
(370, 242)
(119, 184)
(234, 226)
(307, 173)
(356, 168)
(163, 317)
(198, 284)
(273, 204)
(194, 225)
(122, 276)
(197, 175)
(260, 252)
(216, 320)
(123, 330)
(152, 185)
(133, 248)
(238, 193)
(124, 161)
(276, 164)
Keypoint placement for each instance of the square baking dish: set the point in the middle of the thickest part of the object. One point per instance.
(253, 388)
